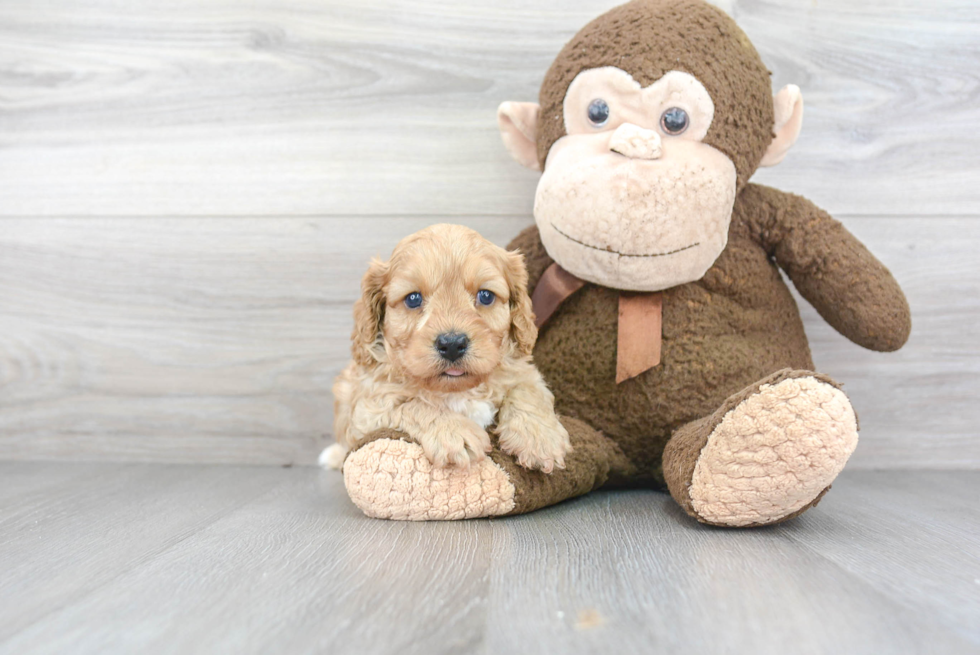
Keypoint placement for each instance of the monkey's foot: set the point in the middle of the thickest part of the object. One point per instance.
(768, 454)
(391, 478)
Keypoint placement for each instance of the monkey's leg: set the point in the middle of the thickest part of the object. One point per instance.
(766, 455)
(388, 476)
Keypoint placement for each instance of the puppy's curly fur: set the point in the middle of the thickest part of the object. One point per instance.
(398, 378)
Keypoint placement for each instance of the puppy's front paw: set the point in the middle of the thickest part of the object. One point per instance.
(455, 441)
(537, 442)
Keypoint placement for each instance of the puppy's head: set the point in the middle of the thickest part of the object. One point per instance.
(445, 309)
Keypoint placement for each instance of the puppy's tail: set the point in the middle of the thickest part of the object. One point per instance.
(333, 457)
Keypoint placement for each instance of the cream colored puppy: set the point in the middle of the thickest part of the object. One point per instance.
(442, 351)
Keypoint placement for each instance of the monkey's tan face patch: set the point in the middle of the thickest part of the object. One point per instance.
(631, 197)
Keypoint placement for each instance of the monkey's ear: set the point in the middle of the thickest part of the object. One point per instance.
(518, 123)
(788, 109)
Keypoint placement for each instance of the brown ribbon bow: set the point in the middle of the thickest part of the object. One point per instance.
(640, 325)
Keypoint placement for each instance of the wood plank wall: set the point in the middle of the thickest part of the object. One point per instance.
(189, 193)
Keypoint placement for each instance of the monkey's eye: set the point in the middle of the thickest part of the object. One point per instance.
(598, 112)
(674, 120)
(413, 300)
(485, 297)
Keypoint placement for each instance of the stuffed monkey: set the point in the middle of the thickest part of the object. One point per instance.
(674, 349)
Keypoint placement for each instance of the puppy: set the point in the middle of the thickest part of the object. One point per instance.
(442, 351)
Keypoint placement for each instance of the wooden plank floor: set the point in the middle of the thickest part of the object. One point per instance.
(100, 557)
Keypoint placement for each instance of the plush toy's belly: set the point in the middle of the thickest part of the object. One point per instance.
(720, 334)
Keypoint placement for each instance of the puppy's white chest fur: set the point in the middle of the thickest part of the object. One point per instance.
(481, 412)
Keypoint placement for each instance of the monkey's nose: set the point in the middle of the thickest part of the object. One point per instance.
(635, 142)
(452, 346)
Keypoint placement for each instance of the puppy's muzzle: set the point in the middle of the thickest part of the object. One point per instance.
(452, 345)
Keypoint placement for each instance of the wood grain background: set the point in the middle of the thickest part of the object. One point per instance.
(189, 194)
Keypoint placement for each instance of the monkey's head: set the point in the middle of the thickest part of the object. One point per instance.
(651, 120)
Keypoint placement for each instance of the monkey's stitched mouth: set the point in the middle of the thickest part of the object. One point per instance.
(625, 254)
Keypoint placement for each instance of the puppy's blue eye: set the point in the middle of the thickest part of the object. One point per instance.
(485, 297)
(413, 300)
(598, 112)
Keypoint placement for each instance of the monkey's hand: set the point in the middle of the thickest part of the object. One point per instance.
(835, 272)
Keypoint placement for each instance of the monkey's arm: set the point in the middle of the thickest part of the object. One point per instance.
(835, 272)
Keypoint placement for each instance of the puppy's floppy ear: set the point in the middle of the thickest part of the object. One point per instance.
(522, 328)
(369, 313)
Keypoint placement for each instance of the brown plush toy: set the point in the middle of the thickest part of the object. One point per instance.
(674, 349)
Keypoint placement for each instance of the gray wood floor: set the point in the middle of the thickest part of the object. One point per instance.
(102, 557)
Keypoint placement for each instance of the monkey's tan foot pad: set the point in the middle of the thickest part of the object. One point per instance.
(393, 479)
(774, 453)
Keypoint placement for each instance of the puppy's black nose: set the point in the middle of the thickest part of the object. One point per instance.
(452, 346)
